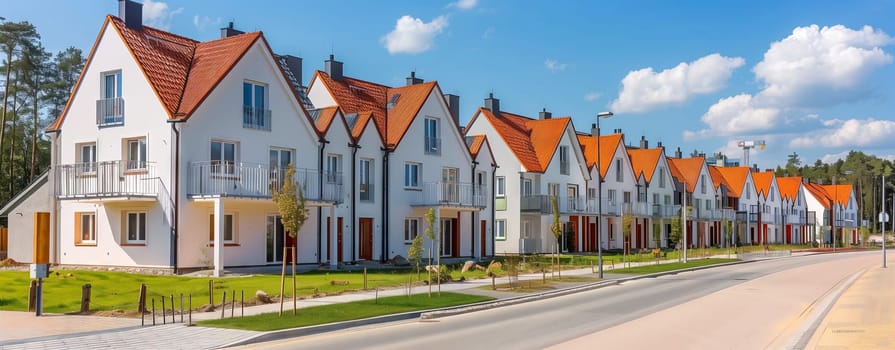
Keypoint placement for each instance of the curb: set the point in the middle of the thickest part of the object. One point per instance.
(455, 310)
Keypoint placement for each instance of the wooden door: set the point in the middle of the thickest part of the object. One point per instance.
(484, 234)
(339, 230)
(366, 238)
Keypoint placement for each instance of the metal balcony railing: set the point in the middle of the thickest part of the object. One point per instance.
(365, 192)
(120, 178)
(432, 145)
(251, 180)
(110, 111)
(450, 194)
(255, 118)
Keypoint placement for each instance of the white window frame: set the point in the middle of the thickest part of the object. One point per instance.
(661, 177)
(88, 165)
(500, 187)
(500, 229)
(411, 229)
(412, 182)
(366, 178)
(430, 141)
(222, 165)
(333, 167)
(564, 164)
(233, 228)
(253, 99)
(118, 89)
(136, 161)
(619, 176)
(88, 218)
(140, 235)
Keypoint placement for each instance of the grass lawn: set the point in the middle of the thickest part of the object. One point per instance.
(646, 269)
(538, 285)
(119, 291)
(343, 312)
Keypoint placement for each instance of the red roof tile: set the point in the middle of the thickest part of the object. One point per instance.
(736, 179)
(533, 141)
(608, 145)
(325, 118)
(644, 162)
(789, 187)
(476, 145)
(687, 170)
(819, 193)
(763, 180)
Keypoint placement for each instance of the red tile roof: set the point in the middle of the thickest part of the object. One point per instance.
(364, 97)
(644, 162)
(325, 118)
(736, 179)
(476, 145)
(819, 193)
(789, 187)
(718, 180)
(362, 119)
(687, 170)
(181, 71)
(608, 145)
(840, 194)
(763, 181)
(533, 141)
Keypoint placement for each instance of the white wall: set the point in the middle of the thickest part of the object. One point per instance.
(20, 222)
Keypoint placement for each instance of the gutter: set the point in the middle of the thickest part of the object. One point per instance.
(322, 147)
(472, 216)
(175, 218)
(354, 147)
(383, 256)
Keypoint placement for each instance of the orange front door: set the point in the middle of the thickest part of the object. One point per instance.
(366, 238)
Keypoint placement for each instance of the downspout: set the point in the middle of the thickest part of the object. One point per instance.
(175, 218)
(493, 203)
(383, 256)
(54, 158)
(354, 147)
(472, 215)
(319, 209)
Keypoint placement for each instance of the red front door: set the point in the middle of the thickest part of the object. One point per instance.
(366, 238)
(339, 237)
(484, 237)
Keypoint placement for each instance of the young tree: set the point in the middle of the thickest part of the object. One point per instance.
(430, 234)
(627, 221)
(291, 205)
(675, 235)
(414, 256)
(556, 229)
(657, 234)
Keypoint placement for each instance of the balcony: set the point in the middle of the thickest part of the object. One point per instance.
(639, 209)
(112, 179)
(432, 145)
(456, 195)
(255, 118)
(209, 179)
(365, 192)
(110, 111)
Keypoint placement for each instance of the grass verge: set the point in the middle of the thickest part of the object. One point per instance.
(345, 311)
(647, 269)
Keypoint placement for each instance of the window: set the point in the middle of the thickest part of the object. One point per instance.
(136, 154)
(110, 106)
(661, 177)
(255, 114)
(412, 175)
(702, 183)
(619, 176)
(136, 227)
(526, 187)
(626, 197)
(611, 196)
(591, 193)
(87, 157)
(223, 157)
(564, 160)
(748, 193)
(655, 198)
(365, 172)
(572, 196)
(667, 199)
(772, 194)
(228, 228)
(333, 168)
(553, 189)
(432, 141)
(641, 194)
(411, 229)
(85, 228)
(500, 187)
(500, 230)
(708, 204)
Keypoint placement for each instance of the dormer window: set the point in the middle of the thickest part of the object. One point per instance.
(255, 114)
(110, 106)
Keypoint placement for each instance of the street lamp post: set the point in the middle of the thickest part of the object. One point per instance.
(883, 216)
(684, 218)
(600, 195)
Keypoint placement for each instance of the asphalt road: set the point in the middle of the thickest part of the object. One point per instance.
(560, 320)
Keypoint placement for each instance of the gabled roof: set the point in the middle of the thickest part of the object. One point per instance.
(819, 193)
(763, 181)
(718, 181)
(687, 170)
(392, 109)
(533, 141)
(841, 194)
(475, 144)
(644, 162)
(608, 145)
(789, 187)
(181, 71)
(735, 178)
(25, 194)
(361, 123)
(325, 117)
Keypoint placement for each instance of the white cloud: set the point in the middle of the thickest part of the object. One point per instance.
(832, 158)
(464, 4)
(554, 65)
(736, 115)
(157, 14)
(592, 96)
(817, 66)
(645, 90)
(202, 22)
(849, 133)
(412, 35)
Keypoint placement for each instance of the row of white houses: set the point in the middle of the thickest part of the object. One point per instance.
(158, 163)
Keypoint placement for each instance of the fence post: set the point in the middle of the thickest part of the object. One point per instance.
(191, 309)
(164, 311)
(173, 314)
(142, 299)
(242, 303)
(181, 307)
(32, 295)
(365, 278)
(85, 297)
(210, 292)
(223, 303)
(232, 302)
(153, 311)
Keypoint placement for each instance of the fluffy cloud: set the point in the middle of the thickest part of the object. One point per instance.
(645, 90)
(815, 67)
(202, 22)
(412, 35)
(736, 115)
(157, 14)
(554, 65)
(464, 4)
(592, 96)
(850, 133)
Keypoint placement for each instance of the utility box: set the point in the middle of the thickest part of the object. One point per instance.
(40, 270)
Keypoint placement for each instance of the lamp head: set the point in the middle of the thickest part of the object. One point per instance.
(604, 114)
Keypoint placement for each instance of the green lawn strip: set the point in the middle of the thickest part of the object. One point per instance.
(646, 269)
(119, 291)
(345, 311)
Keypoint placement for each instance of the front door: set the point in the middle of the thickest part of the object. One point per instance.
(484, 237)
(366, 238)
(447, 237)
(277, 238)
(339, 232)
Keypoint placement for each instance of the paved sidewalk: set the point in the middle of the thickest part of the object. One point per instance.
(864, 315)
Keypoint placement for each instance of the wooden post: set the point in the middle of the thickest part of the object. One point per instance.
(191, 309)
(181, 307)
(141, 307)
(365, 277)
(210, 292)
(242, 303)
(294, 297)
(173, 314)
(283, 280)
(153, 311)
(32, 295)
(223, 303)
(85, 298)
(164, 316)
(232, 302)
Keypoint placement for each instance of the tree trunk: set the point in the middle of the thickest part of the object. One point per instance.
(5, 99)
(34, 132)
(12, 146)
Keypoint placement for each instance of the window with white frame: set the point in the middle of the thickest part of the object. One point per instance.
(702, 184)
(135, 226)
(110, 107)
(500, 229)
(255, 114)
(229, 228)
(365, 173)
(527, 188)
(333, 168)
(136, 153)
(85, 228)
(626, 196)
(564, 160)
(432, 136)
(610, 196)
(553, 189)
(500, 186)
(412, 173)
(87, 157)
(667, 199)
(619, 175)
(661, 177)
(223, 157)
(591, 193)
(411, 229)
(655, 198)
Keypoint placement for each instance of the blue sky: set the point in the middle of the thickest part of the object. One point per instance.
(812, 77)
